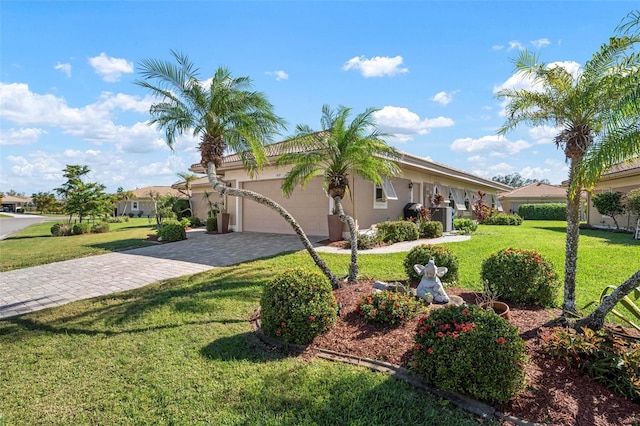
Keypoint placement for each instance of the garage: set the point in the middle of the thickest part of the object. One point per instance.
(308, 205)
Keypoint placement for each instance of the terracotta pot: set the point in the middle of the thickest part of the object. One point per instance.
(499, 308)
(335, 227)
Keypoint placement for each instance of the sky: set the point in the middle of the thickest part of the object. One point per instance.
(431, 68)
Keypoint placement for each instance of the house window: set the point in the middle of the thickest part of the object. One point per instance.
(382, 193)
(458, 198)
(134, 206)
(496, 203)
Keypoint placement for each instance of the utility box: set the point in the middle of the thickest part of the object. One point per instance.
(443, 215)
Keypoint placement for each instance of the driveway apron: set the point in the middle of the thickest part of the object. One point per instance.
(31, 289)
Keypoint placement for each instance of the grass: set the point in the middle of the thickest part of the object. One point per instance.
(36, 246)
(182, 351)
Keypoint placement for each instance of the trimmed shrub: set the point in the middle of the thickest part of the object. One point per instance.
(466, 350)
(297, 305)
(140, 213)
(172, 230)
(131, 215)
(503, 219)
(80, 228)
(61, 230)
(185, 222)
(442, 256)
(388, 307)
(549, 211)
(430, 229)
(397, 231)
(521, 276)
(100, 228)
(195, 221)
(212, 224)
(465, 226)
(365, 241)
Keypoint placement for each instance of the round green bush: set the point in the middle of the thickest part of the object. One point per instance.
(430, 229)
(442, 256)
(100, 228)
(465, 226)
(80, 228)
(130, 215)
(212, 224)
(60, 229)
(195, 221)
(466, 350)
(172, 230)
(365, 241)
(521, 276)
(397, 231)
(297, 305)
(388, 307)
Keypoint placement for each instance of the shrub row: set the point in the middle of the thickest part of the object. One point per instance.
(66, 229)
(397, 231)
(549, 211)
(503, 219)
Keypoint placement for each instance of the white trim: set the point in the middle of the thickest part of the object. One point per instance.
(389, 190)
(496, 202)
(382, 203)
(135, 206)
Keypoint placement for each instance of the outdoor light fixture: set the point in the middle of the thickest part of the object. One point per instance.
(410, 184)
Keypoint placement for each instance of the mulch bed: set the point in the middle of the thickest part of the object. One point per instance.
(555, 394)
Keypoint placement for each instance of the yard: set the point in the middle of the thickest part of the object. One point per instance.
(182, 351)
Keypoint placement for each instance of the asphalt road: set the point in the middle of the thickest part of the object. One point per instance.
(11, 225)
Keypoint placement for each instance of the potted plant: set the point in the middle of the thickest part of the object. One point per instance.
(438, 199)
(223, 220)
(335, 226)
(488, 301)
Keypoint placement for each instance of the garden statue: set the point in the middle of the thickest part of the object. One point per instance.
(430, 283)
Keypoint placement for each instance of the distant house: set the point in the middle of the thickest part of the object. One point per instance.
(622, 177)
(367, 203)
(142, 204)
(534, 193)
(12, 204)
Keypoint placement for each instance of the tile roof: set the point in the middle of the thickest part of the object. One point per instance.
(632, 166)
(536, 190)
(162, 190)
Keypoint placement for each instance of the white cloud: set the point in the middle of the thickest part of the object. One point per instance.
(65, 68)
(534, 172)
(515, 44)
(22, 136)
(543, 135)
(403, 124)
(491, 143)
(497, 47)
(500, 169)
(279, 75)
(540, 43)
(377, 66)
(476, 159)
(111, 69)
(444, 98)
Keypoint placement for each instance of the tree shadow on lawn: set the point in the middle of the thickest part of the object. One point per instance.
(614, 238)
(198, 299)
(243, 347)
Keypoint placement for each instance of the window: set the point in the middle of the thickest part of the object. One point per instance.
(134, 205)
(496, 203)
(389, 190)
(458, 198)
(382, 193)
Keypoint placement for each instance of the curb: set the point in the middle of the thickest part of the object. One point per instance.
(473, 406)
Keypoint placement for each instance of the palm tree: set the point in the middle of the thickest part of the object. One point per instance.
(188, 179)
(594, 111)
(124, 196)
(339, 149)
(226, 115)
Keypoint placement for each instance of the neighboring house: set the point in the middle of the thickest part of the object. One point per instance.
(622, 177)
(534, 193)
(12, 204)
(142, 204)
(367, 203)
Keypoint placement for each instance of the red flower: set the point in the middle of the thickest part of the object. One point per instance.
(501, 340)
(416, 346)
(278, 332)
(439, 334)
(430, 350)
(312, 318)
(283, 324)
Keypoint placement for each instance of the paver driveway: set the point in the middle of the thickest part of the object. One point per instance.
(31, 289)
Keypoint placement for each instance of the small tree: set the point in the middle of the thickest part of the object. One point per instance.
(81, 198)
(44, 201)
(631, 202)
(124, 197)
(609, 204)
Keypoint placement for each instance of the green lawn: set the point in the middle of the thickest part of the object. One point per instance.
(183, 352)
(35, 246)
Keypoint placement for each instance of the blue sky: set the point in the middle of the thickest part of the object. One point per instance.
(67, 72)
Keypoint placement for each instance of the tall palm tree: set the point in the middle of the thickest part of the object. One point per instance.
(592, 110)
(188, 179)
(339, 149)
(226, 115)
(125, 197)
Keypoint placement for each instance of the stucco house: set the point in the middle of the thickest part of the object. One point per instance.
(142, 204)
(12, 204)
(622, 177)
(367, 203)
(534, 193)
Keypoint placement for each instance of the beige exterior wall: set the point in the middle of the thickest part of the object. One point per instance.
(623, 185)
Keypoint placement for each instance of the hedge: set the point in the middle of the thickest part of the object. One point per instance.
(549, 211)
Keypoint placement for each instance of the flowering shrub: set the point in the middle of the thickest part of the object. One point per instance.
(442, 256)
(466, 350)
(297, 306)
(521, 276)
(606, 358)
(388, 307)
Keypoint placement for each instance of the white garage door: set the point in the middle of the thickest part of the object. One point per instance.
(309, 206)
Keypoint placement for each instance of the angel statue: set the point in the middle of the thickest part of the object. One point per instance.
(430, 283)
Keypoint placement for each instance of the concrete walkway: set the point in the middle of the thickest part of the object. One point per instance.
(39, 287)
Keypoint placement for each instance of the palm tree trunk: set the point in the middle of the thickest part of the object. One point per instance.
(571, 248)
(243, 193)
(595, 320)
(353, 235)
